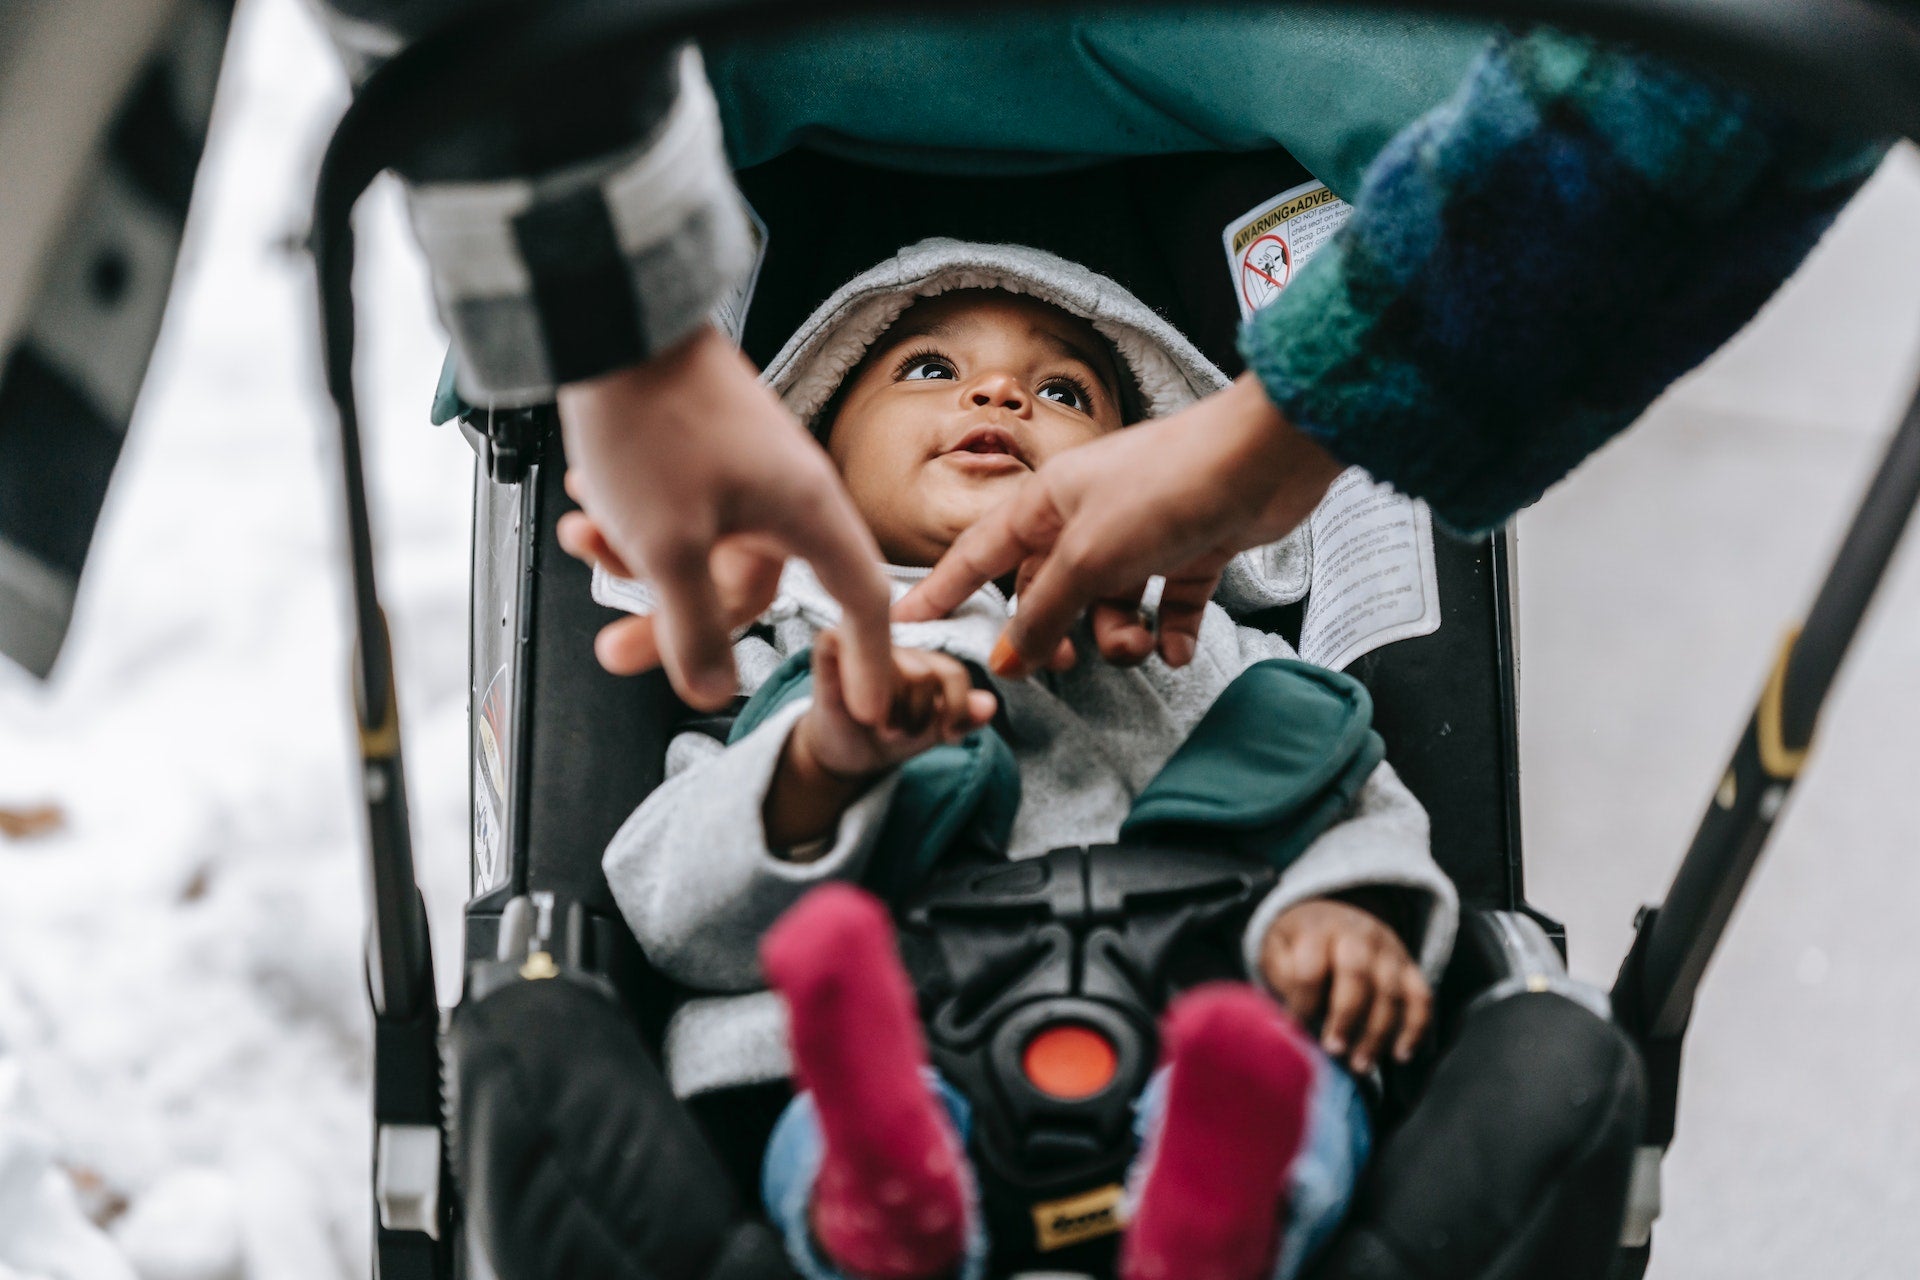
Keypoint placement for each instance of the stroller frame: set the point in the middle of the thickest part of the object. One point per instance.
(1852, 62)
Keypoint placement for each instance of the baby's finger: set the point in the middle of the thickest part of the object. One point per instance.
(980, 707)
(1064, 658)
(1382, 1018)
(915, 694)
(956, 715)
(1418, 999)
(1348, 1000)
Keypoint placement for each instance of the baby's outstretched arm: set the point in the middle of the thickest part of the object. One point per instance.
(1331, 960)
(830, 758)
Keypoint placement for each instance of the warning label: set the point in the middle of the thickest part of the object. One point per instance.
(1374, 580)
(1267, 244)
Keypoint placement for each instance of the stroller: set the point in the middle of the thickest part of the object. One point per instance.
(1530, 1137)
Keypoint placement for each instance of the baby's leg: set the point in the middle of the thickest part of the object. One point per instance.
(891, 1200)
(1213, 1185)
(1333, 1152)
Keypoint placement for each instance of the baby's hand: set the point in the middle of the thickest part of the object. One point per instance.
(1326, 957)
(934, 702)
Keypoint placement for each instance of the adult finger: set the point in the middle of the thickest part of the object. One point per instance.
(627, 646)
(826, 673)
(1383, 1017)
(1183, 606)
(580, 537)
(691, 625)
(1119, 632)
(1417, 997)
(1349, 997)
(828, 534)
(1024, 525)
(1066, 585)
(746, 573)
(1063, 657)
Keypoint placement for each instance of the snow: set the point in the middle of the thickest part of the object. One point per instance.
(183, 1030)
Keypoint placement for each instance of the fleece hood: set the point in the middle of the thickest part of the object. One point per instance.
(1169, 372)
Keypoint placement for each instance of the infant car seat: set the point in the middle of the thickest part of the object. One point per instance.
(1524, 1144)
(564, 752)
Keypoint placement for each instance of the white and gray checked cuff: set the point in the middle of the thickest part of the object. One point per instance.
(570, 274)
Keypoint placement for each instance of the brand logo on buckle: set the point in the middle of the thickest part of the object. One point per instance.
(1072, 1219)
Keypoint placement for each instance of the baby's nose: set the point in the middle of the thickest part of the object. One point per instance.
(998, 390)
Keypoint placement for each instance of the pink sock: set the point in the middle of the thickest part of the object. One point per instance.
(890, 1203)
(1216, 1182)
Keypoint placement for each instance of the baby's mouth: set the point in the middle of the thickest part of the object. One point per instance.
(989, 448)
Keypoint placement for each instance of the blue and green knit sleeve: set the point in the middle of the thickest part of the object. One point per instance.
(1531, 263)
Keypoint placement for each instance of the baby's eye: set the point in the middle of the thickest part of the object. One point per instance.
(1060, 391)
(927, 367)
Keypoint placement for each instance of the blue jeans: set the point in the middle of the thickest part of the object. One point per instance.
(1334, 1150)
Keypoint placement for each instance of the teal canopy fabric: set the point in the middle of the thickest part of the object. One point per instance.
(1008, 92)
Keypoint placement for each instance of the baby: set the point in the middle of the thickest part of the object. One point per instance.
(935, 381)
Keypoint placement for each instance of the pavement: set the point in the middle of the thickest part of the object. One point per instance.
(1655, 586)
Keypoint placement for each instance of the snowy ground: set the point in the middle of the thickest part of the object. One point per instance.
(182, 1033)
(182, 1022)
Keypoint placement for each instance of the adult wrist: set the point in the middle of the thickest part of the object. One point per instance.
(1292, 470)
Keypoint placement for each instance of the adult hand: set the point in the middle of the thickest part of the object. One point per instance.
(696, 477)
(1177, 497)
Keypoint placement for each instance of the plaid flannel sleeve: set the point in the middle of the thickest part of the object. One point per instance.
(1530, 264)
(549, 266)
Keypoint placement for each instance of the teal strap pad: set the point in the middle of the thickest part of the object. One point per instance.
(1276, 760)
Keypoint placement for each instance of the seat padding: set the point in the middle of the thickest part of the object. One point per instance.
(1514, 1166)
(573, 1156)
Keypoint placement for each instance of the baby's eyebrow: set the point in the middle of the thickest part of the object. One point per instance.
(921, 328)
(1098, 362)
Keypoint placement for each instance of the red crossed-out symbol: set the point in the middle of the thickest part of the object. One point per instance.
(1265, 268)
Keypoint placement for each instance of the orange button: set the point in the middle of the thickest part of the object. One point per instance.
(1070, 1061)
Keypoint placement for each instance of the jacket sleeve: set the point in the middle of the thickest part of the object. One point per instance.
(691, 869)
(1530, 264)
(578, 225)
(1384, 843)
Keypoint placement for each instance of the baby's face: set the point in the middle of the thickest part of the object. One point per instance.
(966, 393)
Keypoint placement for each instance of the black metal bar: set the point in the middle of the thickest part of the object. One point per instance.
(1656, 987)
(399, 959)
(1844, 597)
(1506, 640)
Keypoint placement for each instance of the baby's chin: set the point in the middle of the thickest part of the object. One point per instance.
(935, 517)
